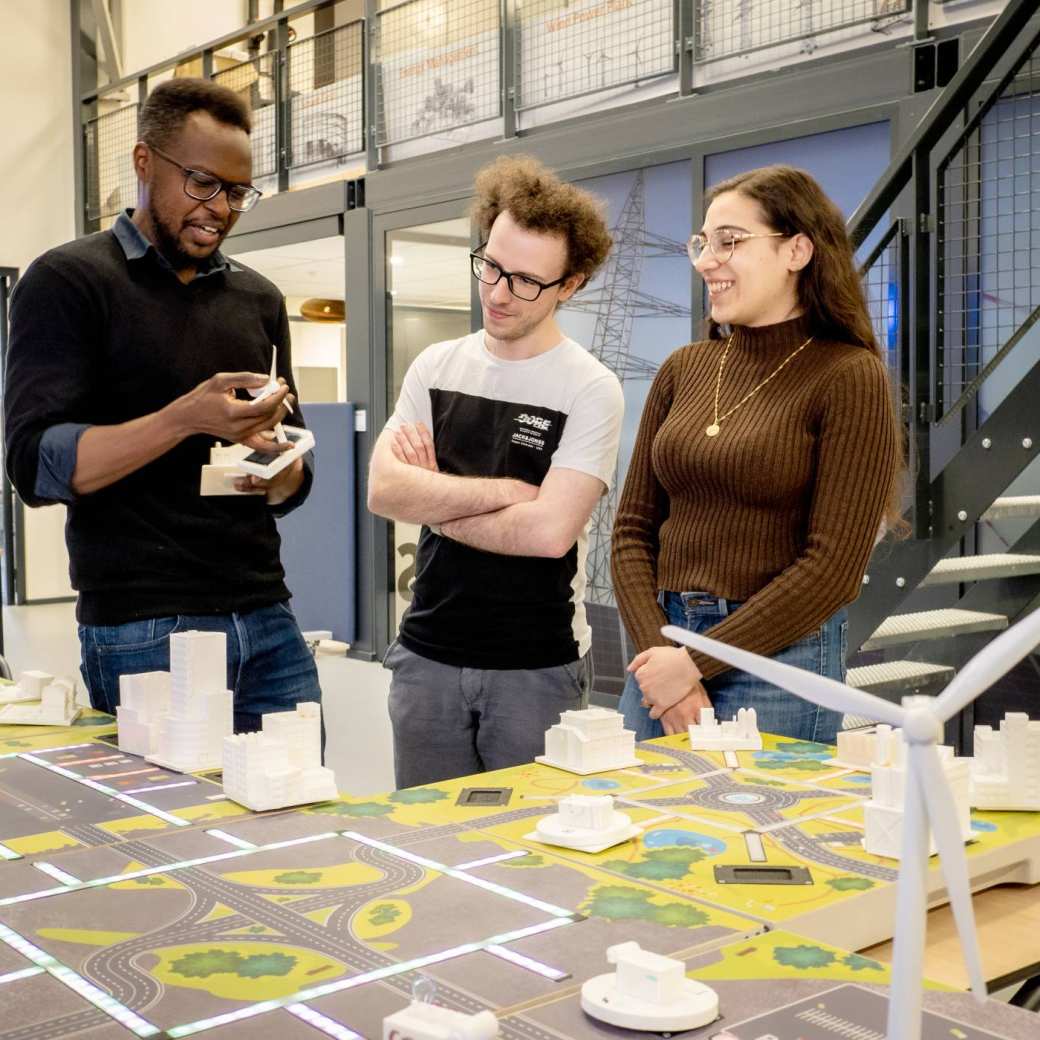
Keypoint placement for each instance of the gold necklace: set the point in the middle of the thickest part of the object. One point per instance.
(713, 429)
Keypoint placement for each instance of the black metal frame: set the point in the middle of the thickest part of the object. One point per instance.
(10, 507)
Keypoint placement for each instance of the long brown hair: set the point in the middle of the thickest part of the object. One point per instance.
(830, 290)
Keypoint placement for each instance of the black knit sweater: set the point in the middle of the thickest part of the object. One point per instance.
(102, 339)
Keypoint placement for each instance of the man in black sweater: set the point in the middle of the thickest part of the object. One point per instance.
(127, 349)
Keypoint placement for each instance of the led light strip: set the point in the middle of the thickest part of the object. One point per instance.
(101, 1000)
(151, 810)
(490, 886)
(492, 859)
(528, 962)
(326, 1025)
(164, 868)
(359, 980)
(57, 873)
(161, 787)
(231, 839)
(25, 973)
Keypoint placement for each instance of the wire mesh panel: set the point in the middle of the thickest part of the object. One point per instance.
(566, 49)
(437, 67)
(325, 97)
(111, 184)
(728, 27)
(988, 231)
(256, 81)
(882, 280)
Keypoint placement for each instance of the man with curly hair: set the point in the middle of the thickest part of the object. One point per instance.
(500, 445)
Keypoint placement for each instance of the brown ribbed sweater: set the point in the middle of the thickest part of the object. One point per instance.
(780, 510)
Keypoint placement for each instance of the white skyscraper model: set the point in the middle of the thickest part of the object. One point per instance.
(143, 699)
(592, 740)
(189, 737)
(589, 823)
(738, 734)
(1005, 772)
(281, 765)
(649, 992)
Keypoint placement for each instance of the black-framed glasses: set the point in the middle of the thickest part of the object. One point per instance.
(721, 243)
(522, 286)
(204, 186)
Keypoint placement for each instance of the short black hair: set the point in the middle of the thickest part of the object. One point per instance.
(169, 105)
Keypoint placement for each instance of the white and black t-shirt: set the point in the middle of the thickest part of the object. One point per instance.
(495, 418)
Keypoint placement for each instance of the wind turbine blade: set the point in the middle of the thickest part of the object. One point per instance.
(274, 365)
(942, 814)
(992, 662)
(816, 688)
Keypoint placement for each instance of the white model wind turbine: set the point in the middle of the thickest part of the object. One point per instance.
(929, 802)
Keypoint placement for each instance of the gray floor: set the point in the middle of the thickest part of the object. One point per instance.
(353, 693)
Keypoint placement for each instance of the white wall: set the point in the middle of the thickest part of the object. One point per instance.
(36, 205)
(154, 30)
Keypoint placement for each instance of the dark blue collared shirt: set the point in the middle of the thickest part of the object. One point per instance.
(60, 444)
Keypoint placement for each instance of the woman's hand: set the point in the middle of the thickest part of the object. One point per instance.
(687, 712)
(666, 674)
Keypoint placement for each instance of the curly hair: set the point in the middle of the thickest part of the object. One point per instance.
(169, 105)
(539, 201)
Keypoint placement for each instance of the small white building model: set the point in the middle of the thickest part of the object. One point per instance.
(281, 765)
(219, 476)
(883, 814)
(29, 687)
(589, 823)
(879, 745)
(738, 734)
(189, 737)
(649, 992)
(1005, 772)
(56, 707)
(590, 740)
(422, 1021)
(143, 699)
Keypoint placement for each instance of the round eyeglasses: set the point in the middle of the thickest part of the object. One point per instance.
(721, 243)
(204, 186)
(522, 286)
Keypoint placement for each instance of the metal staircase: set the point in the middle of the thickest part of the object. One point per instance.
(954, 285)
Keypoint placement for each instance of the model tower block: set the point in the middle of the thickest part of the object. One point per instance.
(1005, 772)
(189, 738)
(281, 765)
(738, 734)
(143, 699)
(883, 814)
(648, 991)
(590, 740)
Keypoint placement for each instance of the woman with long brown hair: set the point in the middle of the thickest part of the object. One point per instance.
(767, 458)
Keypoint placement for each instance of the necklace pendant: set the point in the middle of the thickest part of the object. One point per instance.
(713, 430)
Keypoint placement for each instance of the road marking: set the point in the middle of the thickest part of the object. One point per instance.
(232, 839)
(25, 973)
(6, 853)
(57, 873)
(388, 971)
(128, 772)
(163, 787)
(492, 859)
(323, 1023)
(528, 962)
(101, 1000)
(151, 810)
(490, 886)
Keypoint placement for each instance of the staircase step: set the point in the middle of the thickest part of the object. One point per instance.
(932, 624)
(897, 676)
(977, 568)
(1013, 506)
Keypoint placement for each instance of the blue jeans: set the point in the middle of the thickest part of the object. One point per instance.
(780, 712)
(270, 667)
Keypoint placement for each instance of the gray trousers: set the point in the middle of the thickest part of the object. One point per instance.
(450, 722)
